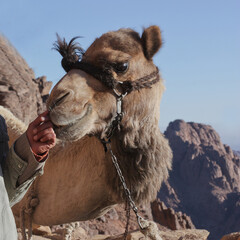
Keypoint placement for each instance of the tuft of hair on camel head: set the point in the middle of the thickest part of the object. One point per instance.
(150, 42)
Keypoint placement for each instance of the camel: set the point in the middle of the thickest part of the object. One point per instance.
(80, 181)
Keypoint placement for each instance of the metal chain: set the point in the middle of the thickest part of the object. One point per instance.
(115, 122)
(126, 190)
(106, 141)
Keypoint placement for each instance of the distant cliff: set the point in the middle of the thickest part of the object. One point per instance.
(205, 180)
(20, 91)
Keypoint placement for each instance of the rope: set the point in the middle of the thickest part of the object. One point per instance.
(28, 209)
(144, 82)
(30, 227)
(150, 230)
(128, 214)
(22, 223)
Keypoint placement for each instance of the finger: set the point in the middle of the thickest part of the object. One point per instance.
(41, 118)
(42, 133)
(49, 138)
(43, 126)
(45, 113)
(46, 118)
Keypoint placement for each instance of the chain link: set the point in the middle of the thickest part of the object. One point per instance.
(126, 190)
(106, 141)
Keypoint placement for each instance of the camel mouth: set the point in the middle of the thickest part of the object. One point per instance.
(63, 131)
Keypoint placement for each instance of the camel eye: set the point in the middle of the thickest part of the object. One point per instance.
(121, 67)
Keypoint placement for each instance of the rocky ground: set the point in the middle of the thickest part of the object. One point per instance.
(112, 226)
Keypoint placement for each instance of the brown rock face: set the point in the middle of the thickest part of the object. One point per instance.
(169, 218)
(24, 95)
(205, 180)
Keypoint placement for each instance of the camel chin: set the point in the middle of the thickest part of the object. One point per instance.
(75, 129)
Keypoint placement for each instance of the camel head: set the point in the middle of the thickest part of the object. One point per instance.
(83, 102)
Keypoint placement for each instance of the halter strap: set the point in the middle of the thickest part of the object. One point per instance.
(72, 59)
(106, 77)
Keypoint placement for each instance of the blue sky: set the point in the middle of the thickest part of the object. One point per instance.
(200, 58)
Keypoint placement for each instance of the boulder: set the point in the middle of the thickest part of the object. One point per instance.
(41, 230)
(187, 234)
(232, 236)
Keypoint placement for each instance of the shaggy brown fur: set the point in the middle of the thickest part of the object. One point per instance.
(80, 181)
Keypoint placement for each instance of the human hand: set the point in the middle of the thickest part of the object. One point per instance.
(41, 135)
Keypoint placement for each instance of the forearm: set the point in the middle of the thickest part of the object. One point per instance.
(23, 150)
(21, 169)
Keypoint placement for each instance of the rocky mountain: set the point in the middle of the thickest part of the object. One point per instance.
(20, 91)
(205, 180)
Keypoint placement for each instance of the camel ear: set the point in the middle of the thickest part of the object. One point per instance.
(151, 41)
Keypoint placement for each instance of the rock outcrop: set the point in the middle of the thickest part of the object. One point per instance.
(169, 218)
(20, 91)
(205, 180)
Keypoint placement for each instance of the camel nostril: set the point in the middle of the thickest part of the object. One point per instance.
(58, 101)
